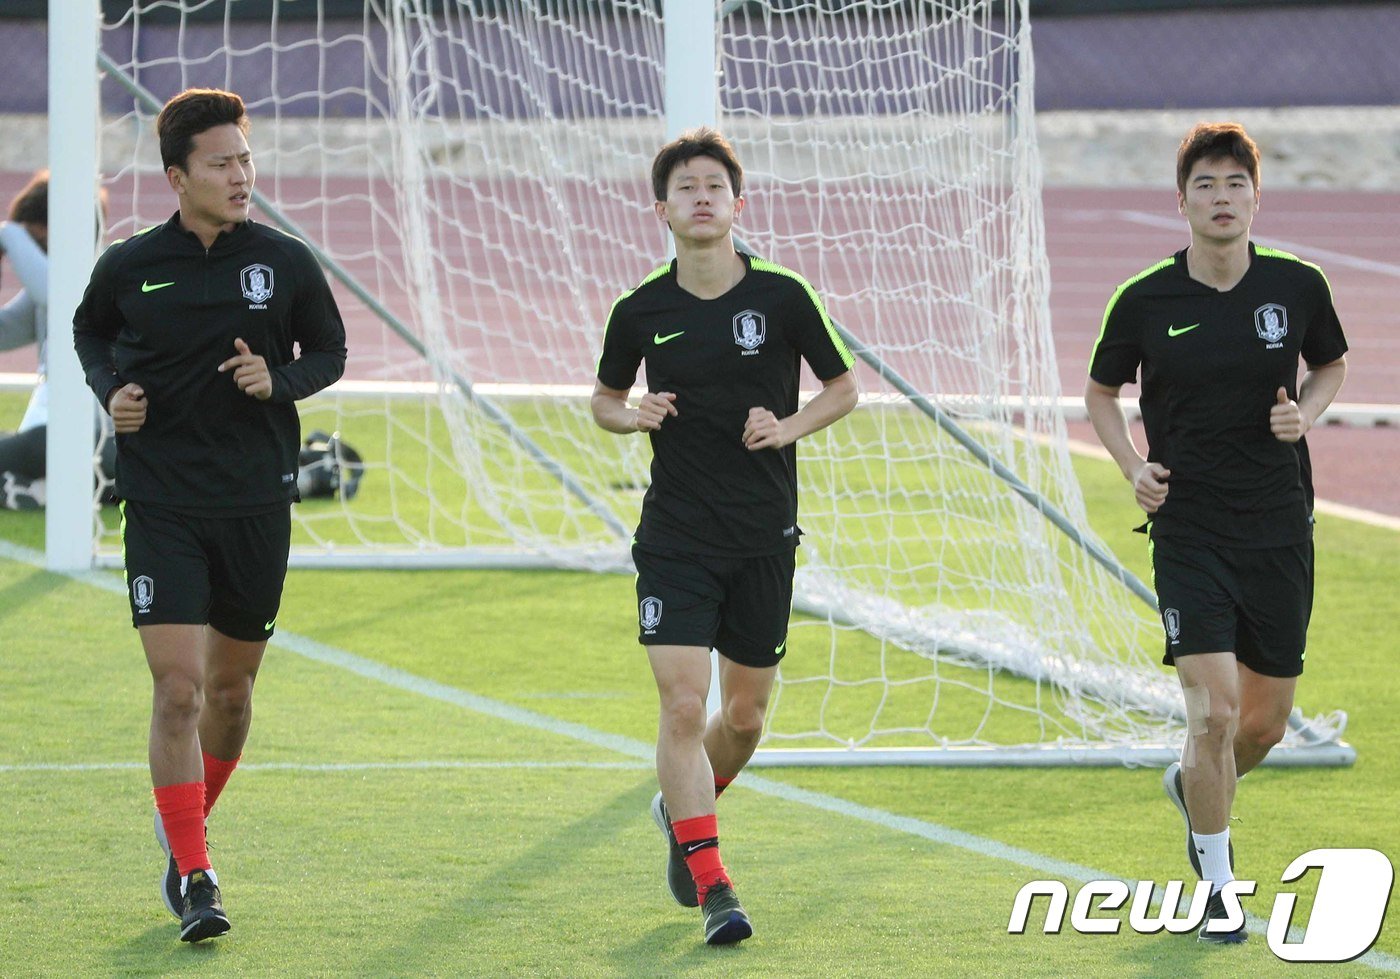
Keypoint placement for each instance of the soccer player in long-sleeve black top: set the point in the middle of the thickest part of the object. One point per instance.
(189, 334)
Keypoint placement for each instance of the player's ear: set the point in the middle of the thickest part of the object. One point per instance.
(738, 206)
(660, 207)
(176, 177)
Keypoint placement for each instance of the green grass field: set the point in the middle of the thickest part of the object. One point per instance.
(449, 775)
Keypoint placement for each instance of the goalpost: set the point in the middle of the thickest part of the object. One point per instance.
(473, 174)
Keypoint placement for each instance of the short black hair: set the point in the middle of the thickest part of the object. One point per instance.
(1216, 141)
(190, 113)
(702, 141)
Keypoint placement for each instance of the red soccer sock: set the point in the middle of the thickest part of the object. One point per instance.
(721, 784)
(216, 773)
(699, 837)
(181, 810)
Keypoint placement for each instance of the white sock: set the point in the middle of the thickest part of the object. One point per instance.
(185, 880)
(1214, 851)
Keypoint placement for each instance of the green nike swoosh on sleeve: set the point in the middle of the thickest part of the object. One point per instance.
(658, 339)
(153, 286)
(1174, 332)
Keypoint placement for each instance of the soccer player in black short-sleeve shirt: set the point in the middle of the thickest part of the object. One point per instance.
(186, 333)
(722, 335)
(1217, 330)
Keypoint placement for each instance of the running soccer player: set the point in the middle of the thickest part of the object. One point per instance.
(721, 334)
(1218, 329)
(186, 334)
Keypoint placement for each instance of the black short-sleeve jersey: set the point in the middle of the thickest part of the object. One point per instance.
(720, 357)
(162, 311)
(1212, 363)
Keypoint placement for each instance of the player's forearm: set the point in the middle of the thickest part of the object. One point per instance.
(1320, 385)
(1111, 426)
(835, 400)
(314, 370)
(99, 367)
(613, 415)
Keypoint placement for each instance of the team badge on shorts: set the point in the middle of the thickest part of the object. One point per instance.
(1171, 621)
(257, 283)
(143, 593)
(1271, 323)
(650, 614)
(750, 330)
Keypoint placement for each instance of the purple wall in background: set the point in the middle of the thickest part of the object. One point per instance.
(1333, 54)
(1338, 55)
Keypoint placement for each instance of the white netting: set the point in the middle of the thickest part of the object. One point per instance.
(480, 169)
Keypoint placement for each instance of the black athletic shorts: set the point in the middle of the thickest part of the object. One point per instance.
(1253, 602)
(192, 569)
(739, 606)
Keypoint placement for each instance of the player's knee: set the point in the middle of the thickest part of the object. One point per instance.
(683, 714)
(230, 698)
(178, 701)
(744, 720)
(1211, 717)
(1263, 733)
(1222, 721)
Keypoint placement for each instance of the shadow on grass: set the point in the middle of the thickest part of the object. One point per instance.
(158, 951)
(23, 527)
(558, 861)
(695, 957)
(31, 587)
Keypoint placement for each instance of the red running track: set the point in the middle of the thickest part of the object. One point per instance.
(1095, 240)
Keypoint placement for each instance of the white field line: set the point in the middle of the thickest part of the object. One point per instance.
(1040, 864)
(340, 766)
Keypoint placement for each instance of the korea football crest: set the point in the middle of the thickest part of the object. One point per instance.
(649, 613)
(143, 593)
(1171, 621)
(1271, 323)
(257, 285)
(750, 330)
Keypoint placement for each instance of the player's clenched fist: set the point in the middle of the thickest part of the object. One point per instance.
(763, 430)
(1150, 486)
(127, 406)
(653, 409)
(1286, 419)
(250, 372)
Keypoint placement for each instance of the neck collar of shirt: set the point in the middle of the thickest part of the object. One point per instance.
(226, 241)
(1184, 269)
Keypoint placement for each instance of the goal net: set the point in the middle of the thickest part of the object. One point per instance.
(474, 174)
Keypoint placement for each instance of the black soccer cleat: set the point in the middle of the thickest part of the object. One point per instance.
(678, 877)
(1215, 911)
(1171, 783)
(170, 879)
(204, 908)
(726, 922)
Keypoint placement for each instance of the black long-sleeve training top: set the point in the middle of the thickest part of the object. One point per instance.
(163, 311)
